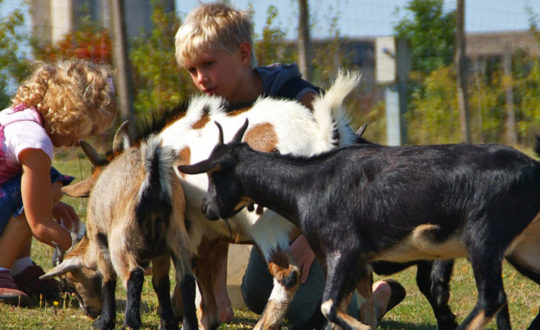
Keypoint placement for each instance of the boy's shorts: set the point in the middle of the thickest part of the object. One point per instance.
(11, 200)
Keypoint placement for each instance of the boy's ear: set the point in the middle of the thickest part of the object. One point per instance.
(245, 52)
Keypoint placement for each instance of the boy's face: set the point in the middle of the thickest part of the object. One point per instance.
(219, 72)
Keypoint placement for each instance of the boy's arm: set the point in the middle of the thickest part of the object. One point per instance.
(303, 255)
(307, 100)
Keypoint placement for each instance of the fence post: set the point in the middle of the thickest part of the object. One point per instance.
(393, 64)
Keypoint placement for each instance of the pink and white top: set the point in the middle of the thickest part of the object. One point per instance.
(20, 128)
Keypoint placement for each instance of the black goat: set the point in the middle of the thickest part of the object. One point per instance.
(360, 204)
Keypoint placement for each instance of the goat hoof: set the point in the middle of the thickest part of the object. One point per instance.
(100, 323)
(168, 325)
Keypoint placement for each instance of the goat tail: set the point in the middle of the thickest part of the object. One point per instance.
(155, 192)
(328, 108)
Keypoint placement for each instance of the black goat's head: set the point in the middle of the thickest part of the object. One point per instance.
(224, 197)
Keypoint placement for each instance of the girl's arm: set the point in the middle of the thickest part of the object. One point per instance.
(37, 198)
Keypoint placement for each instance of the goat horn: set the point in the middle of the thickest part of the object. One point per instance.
(95, 158)
(220, 139)
(361, 130)
(200, 167)
(238, 136)
(65, 266)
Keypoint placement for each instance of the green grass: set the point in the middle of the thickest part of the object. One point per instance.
(413, 313)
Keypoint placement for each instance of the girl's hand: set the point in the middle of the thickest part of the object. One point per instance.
(303, 255)
(66, 216)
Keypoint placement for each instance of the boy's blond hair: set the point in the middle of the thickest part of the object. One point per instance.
(213, 25)
(73, 97)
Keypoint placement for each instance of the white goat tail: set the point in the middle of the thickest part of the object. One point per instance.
(158, 161)
(333, 100)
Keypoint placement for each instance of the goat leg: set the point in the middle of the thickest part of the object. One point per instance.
(491, 296)
(188, 286)
(161, 284)
(337, 287)
(367, 308)
(286, 281)
(132, 319)
(433, 278)
(107, 319)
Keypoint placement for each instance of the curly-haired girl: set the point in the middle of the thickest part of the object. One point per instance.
(59, 104)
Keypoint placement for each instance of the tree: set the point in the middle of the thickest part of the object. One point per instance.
(304, 40)
(431, 33)
(271, 47)
(91, 42)
(159, 82)
(121, 61)
(461, 73)
(14, 65)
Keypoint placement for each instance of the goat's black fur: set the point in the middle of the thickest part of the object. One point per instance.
(363, 203)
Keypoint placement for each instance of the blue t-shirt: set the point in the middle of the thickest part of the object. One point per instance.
(284, 80)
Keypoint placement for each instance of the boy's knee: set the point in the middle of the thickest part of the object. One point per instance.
(254, 299)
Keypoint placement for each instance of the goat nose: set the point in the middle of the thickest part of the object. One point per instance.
(204, 205)
(206, 210)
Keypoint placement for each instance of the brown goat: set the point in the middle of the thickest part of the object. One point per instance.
(135, 216)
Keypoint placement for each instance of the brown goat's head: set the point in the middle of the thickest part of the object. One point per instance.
(79, 272)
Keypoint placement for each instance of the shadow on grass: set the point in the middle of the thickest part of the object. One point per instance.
(239, 323)
(387, 325)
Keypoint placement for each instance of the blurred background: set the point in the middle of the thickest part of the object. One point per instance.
(433, 71)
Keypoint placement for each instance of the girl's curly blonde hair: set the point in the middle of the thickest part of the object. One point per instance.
(73, 97)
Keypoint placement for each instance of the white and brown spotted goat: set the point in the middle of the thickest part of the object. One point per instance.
(275, 126)
(135, 215)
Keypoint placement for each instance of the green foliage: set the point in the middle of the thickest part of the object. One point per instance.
(527, 98)
(14, 65)
(272, 47)
(433, 116)
(430, 32)
(159, 82)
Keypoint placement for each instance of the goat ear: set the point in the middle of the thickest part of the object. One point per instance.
(122, 140)
(238, 136)
(93, 156)
(80, 189)
(66, 266)
(200, 167)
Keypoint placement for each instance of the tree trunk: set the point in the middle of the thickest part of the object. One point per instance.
(460, 60)
(304, 41)
(510, 122)
(124, 87)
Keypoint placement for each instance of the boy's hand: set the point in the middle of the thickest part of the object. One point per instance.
(303, 255)
(66, 216)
